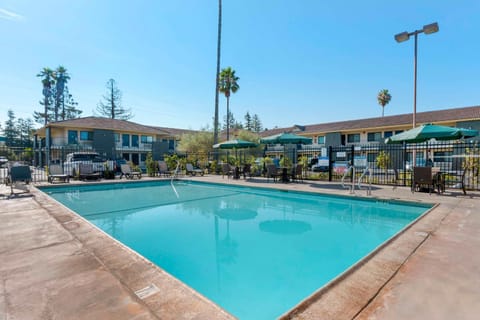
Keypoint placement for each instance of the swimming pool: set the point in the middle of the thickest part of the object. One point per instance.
(255, 252)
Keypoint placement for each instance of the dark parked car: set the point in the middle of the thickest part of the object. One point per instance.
(319, 168)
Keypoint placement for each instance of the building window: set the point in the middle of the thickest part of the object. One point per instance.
(398, 131)
(374, 136)
(72, 137)
(125, 140)
(134, 140)
(147, 139)
(321, 139)
(387, 134)
(143, 157)
(352, 138)
(86, 135)
(171, 144)
(442, 156)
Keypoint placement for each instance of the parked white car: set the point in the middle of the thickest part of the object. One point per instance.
(73, 160)
(3, 161)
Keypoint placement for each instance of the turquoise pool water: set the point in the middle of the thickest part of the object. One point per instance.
(255, 252)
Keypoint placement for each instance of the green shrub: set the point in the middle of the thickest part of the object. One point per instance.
(267, 161)
(471, 161)
(285, 162)
(171, 161)
(255, 168)
(107, 173)
(383, 160)
(151, 165)
(213, 167)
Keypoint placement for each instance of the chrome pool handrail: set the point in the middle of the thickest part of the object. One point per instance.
(173, 177)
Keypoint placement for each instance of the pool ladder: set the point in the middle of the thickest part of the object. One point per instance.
(352, 187)
(366, 172)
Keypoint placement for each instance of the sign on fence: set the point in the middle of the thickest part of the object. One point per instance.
(360, 161)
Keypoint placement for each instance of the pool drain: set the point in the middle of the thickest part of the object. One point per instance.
(147, 291)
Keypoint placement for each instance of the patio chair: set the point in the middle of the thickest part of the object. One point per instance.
(55, 172)
(163, 169)
(85, 171)
(455, 180)
(189, 169)
(247, 171)
(129, 173)
(297, 172)
(272, 172)
(422, 178)
(227, 170)
(20, 173)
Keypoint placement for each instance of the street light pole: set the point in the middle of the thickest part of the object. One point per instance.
(415, 82)
(404, 36)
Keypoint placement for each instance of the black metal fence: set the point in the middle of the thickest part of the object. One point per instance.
(387, 164)
(19, 155)
(384, 164)
(392, 164)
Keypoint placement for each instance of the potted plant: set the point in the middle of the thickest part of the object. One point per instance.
(107, 173)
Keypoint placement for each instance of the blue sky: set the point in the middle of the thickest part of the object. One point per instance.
(299, 62)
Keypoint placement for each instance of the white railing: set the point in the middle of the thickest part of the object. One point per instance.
(366, 172)
(173, 177)
(352, 187)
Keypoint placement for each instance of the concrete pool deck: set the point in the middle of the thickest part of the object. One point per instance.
(55, 265)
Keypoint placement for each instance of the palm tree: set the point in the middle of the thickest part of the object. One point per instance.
(228, 84)
(215, 120)
(383, 98)
(48, 79)
(62, 78)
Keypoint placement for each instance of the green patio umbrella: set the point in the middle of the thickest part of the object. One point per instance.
(235, 144)
(286, 138)
(431, 131)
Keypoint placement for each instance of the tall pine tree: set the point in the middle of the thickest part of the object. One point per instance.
(256, 123)
(18, 132)
(111, 107)
(248, 122)
(10, 130)
(25, 132)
